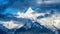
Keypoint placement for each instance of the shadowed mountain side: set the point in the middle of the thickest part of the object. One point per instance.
(35, 29)
(3, 30)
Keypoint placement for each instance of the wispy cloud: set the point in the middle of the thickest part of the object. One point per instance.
(47, 1)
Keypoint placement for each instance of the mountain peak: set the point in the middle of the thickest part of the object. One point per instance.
(29, 10)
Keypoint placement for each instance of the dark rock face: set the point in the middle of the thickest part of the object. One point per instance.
(35, 29)
(2, 32)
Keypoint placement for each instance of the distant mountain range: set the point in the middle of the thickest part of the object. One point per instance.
(31, 21)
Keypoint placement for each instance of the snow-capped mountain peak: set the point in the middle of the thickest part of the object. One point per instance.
(46, 21)
(29, 11)
(29, 14)
(52, 22)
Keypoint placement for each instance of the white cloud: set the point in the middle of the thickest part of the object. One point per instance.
(47, 1)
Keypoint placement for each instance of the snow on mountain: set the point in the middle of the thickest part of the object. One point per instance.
(51, 22)
(29, 14)
(11, 24)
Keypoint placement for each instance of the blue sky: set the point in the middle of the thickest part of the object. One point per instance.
(3, 2)
(10, 11)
